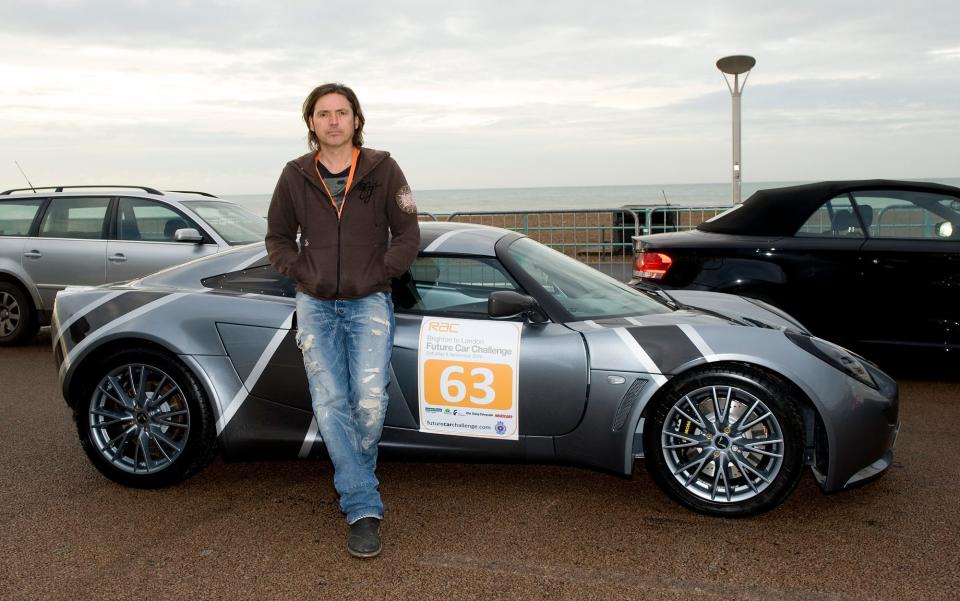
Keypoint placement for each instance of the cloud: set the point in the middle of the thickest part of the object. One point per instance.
(440, 82)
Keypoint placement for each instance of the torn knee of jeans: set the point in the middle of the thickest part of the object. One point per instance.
(379, 320)
(377, 332)
(371, 404)
(366, 379)
(305, 342)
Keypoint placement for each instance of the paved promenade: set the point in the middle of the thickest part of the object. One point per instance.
(272, 529)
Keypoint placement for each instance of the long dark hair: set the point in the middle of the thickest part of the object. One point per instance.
(333, 88)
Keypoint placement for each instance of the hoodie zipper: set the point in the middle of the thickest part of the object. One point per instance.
(369, 168)
(339, 213)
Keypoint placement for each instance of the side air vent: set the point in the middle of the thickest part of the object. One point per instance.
(626, 403)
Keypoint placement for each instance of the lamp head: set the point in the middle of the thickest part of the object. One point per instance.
(737, 64)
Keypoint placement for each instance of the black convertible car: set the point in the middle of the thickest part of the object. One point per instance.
(872, 264)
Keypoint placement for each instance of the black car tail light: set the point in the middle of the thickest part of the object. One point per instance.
(651, 266)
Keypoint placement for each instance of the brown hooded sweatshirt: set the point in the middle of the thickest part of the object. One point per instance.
(351, 255)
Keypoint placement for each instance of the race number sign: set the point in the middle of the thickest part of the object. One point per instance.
(468, 377)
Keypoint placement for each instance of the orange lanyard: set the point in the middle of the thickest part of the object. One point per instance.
(353, 167)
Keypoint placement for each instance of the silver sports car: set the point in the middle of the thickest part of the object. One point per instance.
(504, 350)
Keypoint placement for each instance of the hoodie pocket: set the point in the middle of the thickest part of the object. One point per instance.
(316, 270)
(361, 270)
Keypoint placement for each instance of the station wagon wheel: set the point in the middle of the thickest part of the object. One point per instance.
(725, 441)
(143, 420)
(18, 320)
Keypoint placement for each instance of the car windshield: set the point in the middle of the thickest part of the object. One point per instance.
(235, 224)
(582, 290)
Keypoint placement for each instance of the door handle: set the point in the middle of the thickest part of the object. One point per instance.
(33, 254)
(117, 258)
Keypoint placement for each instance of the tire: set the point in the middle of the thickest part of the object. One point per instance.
(722, 470)
(18, 318)
(158, 431)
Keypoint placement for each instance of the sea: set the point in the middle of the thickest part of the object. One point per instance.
(445, 202)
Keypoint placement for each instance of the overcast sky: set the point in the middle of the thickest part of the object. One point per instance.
(207, 95)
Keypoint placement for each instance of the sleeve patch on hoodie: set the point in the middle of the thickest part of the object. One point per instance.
(405, 200)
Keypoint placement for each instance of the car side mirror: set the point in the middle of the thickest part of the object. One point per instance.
(187, 234)
(945, 229)
(507, 303)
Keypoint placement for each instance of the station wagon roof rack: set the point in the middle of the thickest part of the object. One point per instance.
(194, 192)
(146, 189)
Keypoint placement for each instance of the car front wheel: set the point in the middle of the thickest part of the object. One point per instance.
(143, 420)
(725, 441)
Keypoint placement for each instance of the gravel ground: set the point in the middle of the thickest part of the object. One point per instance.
(453, 531)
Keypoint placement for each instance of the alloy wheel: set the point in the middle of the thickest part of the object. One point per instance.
(722, 443)
(10, 314)
(139, 419)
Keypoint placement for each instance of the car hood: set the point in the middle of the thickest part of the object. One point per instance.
(711, 326)
(701, 308)
(739, 309)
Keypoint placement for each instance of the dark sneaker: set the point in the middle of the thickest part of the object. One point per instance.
(364, 540)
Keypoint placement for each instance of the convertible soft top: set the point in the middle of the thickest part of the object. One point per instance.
(781, 211)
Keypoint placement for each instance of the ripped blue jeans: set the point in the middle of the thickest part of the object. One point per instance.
(346, 347)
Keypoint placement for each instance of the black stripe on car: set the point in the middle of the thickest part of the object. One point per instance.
(105, 313)
(668, 346)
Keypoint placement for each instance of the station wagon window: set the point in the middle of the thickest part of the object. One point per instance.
(79, 217)
(235, 224)
(149, 221)
(835, 219)
(451, 285)
(909, 215)
(16, 216)
(254, 280)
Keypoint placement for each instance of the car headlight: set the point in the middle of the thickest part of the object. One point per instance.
(837, 356)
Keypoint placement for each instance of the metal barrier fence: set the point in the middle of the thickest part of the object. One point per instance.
(601, 238)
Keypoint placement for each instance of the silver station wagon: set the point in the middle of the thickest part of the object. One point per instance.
(60, 236)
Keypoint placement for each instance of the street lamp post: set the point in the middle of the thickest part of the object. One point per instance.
(736, 66)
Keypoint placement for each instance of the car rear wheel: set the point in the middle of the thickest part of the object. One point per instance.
(725, 441)
(144, 421)
(18, 319)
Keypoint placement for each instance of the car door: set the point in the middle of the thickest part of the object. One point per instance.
(144, 240)
(17, 218)
(552, 371)
(821, 269)
(911, 282)
(70, 246)
(552, 382)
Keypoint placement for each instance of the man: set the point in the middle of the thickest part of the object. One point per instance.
(358, 229)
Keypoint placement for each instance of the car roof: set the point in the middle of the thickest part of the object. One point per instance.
(781, 211)
(95, 190)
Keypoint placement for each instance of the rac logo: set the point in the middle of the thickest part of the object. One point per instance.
(437, 326)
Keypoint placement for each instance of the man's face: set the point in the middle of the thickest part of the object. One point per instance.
(333, 120)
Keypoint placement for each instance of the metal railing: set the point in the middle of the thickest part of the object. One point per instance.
(601, 238)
